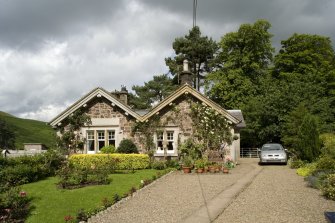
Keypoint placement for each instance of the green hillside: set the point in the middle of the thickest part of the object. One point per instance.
(30, 131)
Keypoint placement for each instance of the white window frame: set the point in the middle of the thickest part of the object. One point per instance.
(111, 136)
(170, 139)
(159, 138)
(174, 140)
(100, 139)
(90, 138)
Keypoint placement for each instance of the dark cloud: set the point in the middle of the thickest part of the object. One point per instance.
(54, 52)
(26, 24)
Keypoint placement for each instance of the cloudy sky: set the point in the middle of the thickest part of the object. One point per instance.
(53, 52)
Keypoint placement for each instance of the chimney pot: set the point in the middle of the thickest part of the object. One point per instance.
(186, 76)
(185, 65)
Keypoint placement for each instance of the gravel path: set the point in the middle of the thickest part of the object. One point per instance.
(173, 197)
(277, 194)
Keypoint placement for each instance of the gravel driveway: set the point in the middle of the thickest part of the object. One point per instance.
(277, 194)
(173, 197)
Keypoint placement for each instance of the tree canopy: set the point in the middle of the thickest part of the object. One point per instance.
(198, 50)
(244, 57)
(152, 92)
(243, 72)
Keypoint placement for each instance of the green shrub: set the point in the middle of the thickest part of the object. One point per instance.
(187, 161)
(325, 163)
(158, 165)
(317, 178)
(190, 148)
(26, 169)
(108, 149)
(328, 144)
(295, 163)
(173, 164)
(14, 205)
(75, 177)
(328, 187)
(200, 163)
(127, 146)
(111, 161)
(21, 174)
(306, 170)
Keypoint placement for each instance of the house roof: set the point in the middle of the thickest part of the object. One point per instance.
(96, 92)
(238, 114)
(235, 116)
(186, 89)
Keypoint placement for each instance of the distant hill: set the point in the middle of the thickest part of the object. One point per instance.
(30, 131)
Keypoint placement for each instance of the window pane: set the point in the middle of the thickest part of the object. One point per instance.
(111, 142)
(101, 144)
(111, 134)
(90, 134)
(160, 145)
(170, 146)
(159, 141)
(90, 145)
(170, 136)
(101, 135)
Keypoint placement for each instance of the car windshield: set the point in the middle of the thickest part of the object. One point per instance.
(271, 147)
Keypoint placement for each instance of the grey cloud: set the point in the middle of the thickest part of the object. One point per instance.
(26, 24)
(54, 52)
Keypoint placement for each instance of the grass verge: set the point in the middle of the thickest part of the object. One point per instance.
(52, 204)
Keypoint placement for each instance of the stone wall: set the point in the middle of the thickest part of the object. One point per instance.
(178, 114)
(102, 108)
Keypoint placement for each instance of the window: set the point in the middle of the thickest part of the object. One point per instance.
(90, 140)
(160, 141)
(170, 140)
(101, 139)
(111, 138)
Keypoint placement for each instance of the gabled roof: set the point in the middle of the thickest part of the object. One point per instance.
(186, 89)
(97, 92)
(238, 114)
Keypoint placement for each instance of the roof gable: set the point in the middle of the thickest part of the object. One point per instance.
(82, 102)
(186, 89)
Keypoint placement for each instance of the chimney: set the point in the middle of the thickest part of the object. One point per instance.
(185, 76)
(122, 95)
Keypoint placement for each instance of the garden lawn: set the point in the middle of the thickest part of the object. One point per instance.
(52, 204)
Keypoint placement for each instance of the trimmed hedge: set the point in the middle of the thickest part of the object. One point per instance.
(114, 161)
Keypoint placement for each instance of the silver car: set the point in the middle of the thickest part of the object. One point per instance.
(272, 153)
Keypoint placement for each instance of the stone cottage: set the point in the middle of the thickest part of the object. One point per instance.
(113, 120)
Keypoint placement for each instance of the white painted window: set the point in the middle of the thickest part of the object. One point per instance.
(160, 141)
(90, 140)
(101, 139)
(170, 140)
(111, 137)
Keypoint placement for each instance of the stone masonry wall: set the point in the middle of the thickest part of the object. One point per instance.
(102, 108)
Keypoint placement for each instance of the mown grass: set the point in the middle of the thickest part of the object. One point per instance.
(52, 204)
(30, 131)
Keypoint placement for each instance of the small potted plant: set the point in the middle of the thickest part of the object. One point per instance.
(225, 168)
(211, 167)
(217, 168)
(187, 164)
(200, 165)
